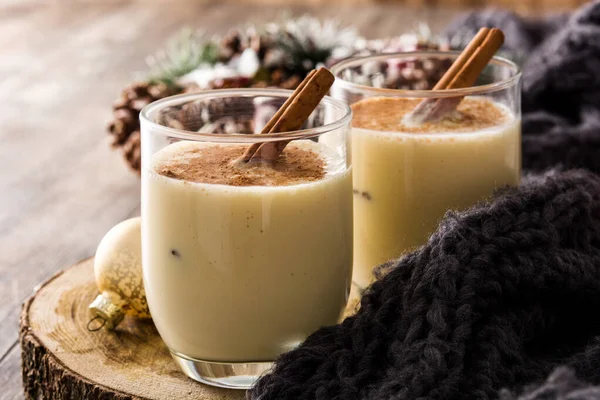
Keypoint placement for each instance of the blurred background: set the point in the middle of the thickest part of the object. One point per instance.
(521, 6)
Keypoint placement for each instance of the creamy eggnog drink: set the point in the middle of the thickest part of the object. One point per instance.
(407, 176)
(247, 260)
(424, 144)
(246, 237)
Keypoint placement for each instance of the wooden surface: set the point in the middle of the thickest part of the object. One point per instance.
(61, 65)
(62, 359)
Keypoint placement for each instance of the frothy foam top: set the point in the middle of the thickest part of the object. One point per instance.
(387, 114)
(300, 162)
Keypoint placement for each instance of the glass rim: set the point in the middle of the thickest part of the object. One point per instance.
(212, 94)
(338, 67)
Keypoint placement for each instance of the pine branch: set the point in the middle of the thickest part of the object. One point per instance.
(183, 54)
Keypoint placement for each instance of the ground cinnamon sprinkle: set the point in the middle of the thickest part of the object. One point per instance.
(216, 164)
(385, 114)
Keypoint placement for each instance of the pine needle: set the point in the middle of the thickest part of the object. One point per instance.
(183, 54)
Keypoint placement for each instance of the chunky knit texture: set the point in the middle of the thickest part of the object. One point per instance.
(561, 83)
(561, 385)
(501, 294)
(498, 297)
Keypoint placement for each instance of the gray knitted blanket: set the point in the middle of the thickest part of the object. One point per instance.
(561, 83)
(505, 293)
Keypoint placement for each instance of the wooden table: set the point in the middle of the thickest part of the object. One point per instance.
(61, 66)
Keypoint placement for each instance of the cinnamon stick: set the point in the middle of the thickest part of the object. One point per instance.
(267, 128)
(463, 73)
(292, 115)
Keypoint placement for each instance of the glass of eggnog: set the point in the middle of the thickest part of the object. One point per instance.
(243, 260)
(407, 174)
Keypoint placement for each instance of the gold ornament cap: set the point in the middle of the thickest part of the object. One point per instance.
(105, 308)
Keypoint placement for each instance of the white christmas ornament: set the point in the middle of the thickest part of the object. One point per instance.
(118, 273)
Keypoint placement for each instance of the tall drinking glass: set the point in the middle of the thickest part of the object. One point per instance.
(407, 175)
(242, 261)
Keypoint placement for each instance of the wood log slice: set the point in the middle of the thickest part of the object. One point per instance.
(61, 359)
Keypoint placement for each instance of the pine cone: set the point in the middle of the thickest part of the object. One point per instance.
(230, 83)
(125, 127)
(420, 74)
(231, 44)
(281, 78)
(132, 151)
